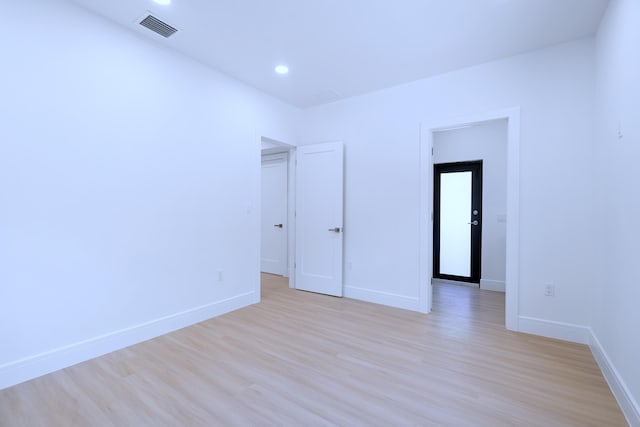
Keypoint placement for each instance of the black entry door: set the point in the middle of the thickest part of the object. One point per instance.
(457, 221)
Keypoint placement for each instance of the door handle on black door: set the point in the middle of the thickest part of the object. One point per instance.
(474, 222)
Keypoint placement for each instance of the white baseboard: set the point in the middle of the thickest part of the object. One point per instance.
(551, 329)
(492, 285)
(628, 404)
(31, 367)
(385, 298)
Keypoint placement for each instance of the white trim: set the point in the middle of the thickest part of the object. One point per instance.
(628, 404)
(31, 367)
(513, 207)
(552, 329)
(271, 158)
(378, 297)
(291, 217)
(425, 220)
(492, 285)
(512, 277)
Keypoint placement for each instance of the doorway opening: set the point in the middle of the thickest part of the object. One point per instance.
(507, 217)
(277, 222)
(274, 222)
(314, 222)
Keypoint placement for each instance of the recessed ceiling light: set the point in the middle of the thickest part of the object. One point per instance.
(163, 2)
(282, 69)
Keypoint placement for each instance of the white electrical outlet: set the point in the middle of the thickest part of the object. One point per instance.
(549, 290)
(219, 275)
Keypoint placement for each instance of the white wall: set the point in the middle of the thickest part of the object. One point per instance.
(617, 316)
(129, 175)
(487, 142)
(555, 90)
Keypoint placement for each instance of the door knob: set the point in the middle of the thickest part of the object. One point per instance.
(474, 222)
(335, 229)
(277, 225)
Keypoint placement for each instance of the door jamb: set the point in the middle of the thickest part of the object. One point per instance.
(427, 129)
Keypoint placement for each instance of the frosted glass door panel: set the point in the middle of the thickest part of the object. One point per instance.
(455, 230)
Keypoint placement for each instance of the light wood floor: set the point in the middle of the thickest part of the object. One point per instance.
(301, 359)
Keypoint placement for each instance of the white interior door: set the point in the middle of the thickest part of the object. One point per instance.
(319, 204)
(274, 215)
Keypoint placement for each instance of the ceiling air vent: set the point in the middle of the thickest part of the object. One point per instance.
(158, 26)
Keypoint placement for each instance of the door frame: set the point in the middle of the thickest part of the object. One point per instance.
(427, 129)
(474, 166)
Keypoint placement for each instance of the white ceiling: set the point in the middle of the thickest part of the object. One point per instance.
(341, 48)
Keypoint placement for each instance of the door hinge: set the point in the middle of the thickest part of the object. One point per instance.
(432, 151)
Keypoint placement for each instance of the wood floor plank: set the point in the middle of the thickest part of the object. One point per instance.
(300, 358)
